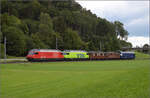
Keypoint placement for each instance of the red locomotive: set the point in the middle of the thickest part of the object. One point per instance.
(45, 55)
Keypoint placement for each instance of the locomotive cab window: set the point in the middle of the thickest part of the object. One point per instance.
(65, 53)
(36, 53)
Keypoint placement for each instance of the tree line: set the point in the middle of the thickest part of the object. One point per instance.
(36, 24)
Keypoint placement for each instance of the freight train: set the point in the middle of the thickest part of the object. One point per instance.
(70, 55)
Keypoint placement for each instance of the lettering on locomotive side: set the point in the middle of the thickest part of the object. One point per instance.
(80, 56)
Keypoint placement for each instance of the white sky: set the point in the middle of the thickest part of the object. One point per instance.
(138, 40)
(133, 14)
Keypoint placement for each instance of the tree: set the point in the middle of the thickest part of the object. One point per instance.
(45, 30)
(146, 48)
(29, 26)
(10, 20)
(1, 46)
(45, 34)
(30, 9)
(37, 43)
(15, 41)
(2, 51)
(119, 30)
(40, 23)
(72, 40)
(1, 35)
(59, 24)
(45, 19)
(125, 44)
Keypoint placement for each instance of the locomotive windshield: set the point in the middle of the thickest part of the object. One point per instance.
(65, 53)
(33, 51)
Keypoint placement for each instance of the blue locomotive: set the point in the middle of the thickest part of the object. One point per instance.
(127, 55)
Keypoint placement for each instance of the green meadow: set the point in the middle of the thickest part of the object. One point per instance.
(101, 79)
(140, 55)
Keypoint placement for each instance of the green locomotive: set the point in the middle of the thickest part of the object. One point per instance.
(75, 55)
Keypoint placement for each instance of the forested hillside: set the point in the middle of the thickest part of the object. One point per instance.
(37, 24)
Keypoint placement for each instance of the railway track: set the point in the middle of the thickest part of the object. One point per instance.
(7, 61)
(13, 61)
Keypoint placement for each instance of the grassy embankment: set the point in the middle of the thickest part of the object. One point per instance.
(141, 55)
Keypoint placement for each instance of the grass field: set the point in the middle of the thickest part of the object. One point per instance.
(140, 55)
(101, 79)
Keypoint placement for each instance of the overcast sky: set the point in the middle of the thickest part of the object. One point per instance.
(133, 14)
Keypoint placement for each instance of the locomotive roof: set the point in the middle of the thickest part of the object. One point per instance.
(74, 51)
(46, 50)
(127, 52)
(100, 52)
